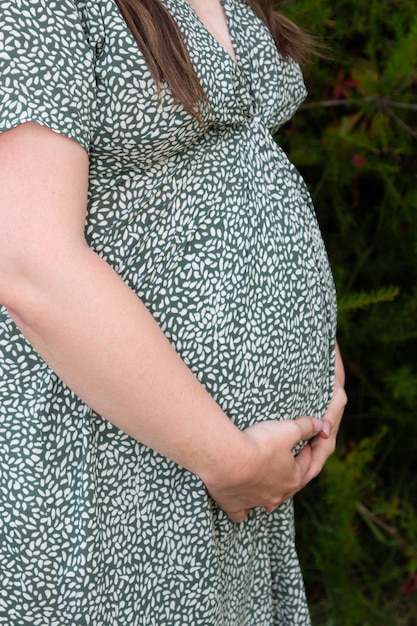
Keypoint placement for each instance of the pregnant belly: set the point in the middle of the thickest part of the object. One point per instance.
(235, 272)
(255, 323)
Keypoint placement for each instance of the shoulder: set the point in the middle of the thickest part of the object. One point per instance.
(47, 65)
(45, 17)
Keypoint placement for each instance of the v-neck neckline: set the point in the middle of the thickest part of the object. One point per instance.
(219, 45)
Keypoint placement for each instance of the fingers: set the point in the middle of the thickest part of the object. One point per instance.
(326, 429)
(323, 446)
(320, 452)
(334, 413)
(238, 516)
(277, 474)
(303, 461)
(340, 370)
(305, 428)
(285, 433)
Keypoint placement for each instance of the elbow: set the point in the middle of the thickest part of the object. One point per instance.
(27, 292)
(38, 279)
(14, 294)
(11, 283)
(25, 279)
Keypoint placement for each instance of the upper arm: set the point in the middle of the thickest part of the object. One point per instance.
(47, 72)
(47, 98)
(43, 200)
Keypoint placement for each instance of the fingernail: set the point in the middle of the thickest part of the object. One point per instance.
(326, 427)
(318, 424)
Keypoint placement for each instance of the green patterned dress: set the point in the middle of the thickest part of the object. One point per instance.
(214, 230)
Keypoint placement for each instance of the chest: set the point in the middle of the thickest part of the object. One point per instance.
(211, 13)
(235, 59)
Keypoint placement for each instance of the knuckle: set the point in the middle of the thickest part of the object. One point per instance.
(274, 503)
(301, 484)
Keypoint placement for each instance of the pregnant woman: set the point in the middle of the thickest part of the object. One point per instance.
(167, 334)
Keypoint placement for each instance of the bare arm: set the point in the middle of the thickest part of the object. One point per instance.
(100, 339)
(79, 315)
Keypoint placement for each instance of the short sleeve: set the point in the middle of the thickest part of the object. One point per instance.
(46, 67)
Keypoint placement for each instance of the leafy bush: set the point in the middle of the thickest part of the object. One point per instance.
(355, 141)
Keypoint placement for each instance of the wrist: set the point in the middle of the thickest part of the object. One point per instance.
(232, 464)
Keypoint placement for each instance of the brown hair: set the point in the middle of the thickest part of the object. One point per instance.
(161, 43)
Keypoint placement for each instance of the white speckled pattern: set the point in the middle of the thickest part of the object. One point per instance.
(213, 228)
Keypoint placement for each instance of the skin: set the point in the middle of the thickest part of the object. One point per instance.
(95, 333)
(212, 15)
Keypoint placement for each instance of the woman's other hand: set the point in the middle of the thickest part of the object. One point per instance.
(323, 445)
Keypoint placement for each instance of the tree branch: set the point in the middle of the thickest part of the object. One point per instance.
(400, 122)
(368, 100)
(384, 103)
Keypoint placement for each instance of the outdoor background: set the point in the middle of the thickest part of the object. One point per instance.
(355, 142)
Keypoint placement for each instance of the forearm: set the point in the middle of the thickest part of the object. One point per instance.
(100, 339)
(95, 333)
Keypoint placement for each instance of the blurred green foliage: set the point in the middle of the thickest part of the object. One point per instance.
(355, 142)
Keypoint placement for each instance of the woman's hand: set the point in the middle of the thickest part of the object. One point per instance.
(272, 474)
(323, 445)
(100, 339)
